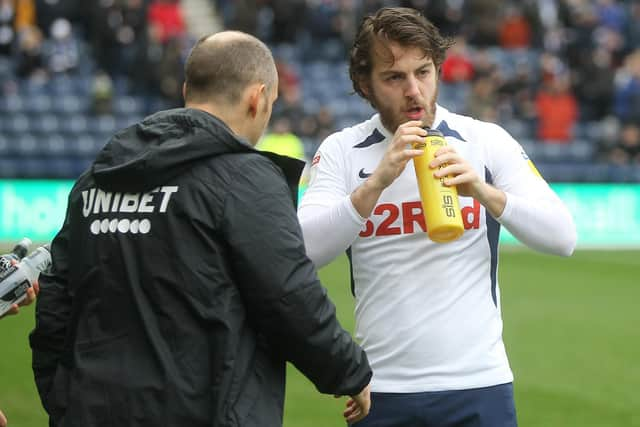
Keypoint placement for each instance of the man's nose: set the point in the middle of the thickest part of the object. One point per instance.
(412, 89)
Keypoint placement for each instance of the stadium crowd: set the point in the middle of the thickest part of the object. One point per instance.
(563, 76)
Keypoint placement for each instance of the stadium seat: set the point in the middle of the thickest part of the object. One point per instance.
(529, 146)
(27, 145)
(127, 105)
(10, 104)
(60, 84)
(332, 50)
(16, 123)
(30, 87)
(517, 128)
(54, 145)
(285, 52)
(70, 104)
(45, 124)
(9, 167)
(125, 121)
(317, 70)
(74, 124)
(37, 103)
(5, 145)
(85, 145)
(102, 125)
(581, 151)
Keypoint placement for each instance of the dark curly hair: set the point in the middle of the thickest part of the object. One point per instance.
(401, 25)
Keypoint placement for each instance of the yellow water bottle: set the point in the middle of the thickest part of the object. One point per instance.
(439, 203)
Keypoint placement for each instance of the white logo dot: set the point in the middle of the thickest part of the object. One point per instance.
(113, 225)
(123, 226)
(134, 226)
(145, 226)
(104, 225)
(95, 226)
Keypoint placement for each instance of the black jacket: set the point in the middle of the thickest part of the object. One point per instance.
(180, 286)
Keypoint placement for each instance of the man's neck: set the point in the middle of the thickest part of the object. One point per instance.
(222, 112)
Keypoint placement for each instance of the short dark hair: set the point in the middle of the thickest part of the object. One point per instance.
(401, 25)
(222, 68)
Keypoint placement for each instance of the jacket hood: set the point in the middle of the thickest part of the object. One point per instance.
(162, 146)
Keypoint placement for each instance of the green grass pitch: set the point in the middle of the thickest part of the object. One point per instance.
(571, 330)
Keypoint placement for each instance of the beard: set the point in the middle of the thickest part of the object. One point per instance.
(392, 117)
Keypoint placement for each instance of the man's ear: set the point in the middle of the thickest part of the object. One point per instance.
(255, 93)
(364, 86)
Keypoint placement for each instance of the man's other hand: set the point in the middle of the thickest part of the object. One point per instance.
(358, 406)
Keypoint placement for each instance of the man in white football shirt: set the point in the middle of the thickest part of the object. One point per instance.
(427, 314)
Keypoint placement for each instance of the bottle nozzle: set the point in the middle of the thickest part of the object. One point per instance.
(21, 248)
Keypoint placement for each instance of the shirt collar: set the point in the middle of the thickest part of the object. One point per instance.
(441, 113)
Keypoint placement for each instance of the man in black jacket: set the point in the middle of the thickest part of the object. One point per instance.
(180, 283)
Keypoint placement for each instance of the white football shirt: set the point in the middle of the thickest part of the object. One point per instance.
(428, 314)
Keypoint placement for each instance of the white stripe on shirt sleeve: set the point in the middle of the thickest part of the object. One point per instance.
(329, 230)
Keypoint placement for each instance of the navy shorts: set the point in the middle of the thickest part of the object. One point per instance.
(479, 407)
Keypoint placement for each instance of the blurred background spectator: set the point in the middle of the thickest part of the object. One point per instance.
(556, 109)
(562, 76)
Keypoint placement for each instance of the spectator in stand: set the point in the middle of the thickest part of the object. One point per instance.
(7, 28)
(347, 21)
(170, 71)
(241, 15)
(289, 104)
(25, 14)
(606, 138)
(314, 128)
(29, 59)
(482, 100)
(287, 20)
(282, 140)
(118, 32)
(627, 151)
(458, 66)
(326, 124)
(288, 78)
(15, 16)
(611, 14)
(446, 15)
(515, 29)
(483, 63)
(557, 110)
(321, 20)
(102, 94)
(550, 66)
(167, 16)
(594, 84)
(482, 21)
(47, 11)
(61, 50)
(516, 94)
(627, 88)
(579, 33)
(130, 34)
(146, 76)
(104, 18)
(632, 30)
